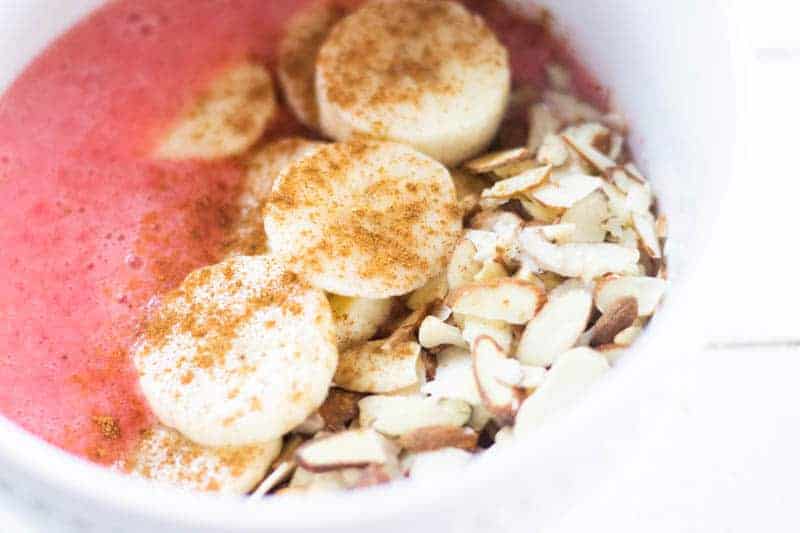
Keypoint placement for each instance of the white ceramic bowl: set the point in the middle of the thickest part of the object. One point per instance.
(670, 67)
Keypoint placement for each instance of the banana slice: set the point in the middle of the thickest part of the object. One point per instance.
(428, 74)
(262, 167)
(226, 119)
(165, 456)
(297, 54)
(240, 353)
(358, 319)
(364, 218)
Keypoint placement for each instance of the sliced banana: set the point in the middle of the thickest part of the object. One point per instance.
(297, 55)
(165, 456)
(358, 319)
(428, 74)
(364, 218)
(226, 119)
(240, 353)
(262, 167)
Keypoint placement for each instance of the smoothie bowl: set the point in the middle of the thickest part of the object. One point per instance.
(315, 264)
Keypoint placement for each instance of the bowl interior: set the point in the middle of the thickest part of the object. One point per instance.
(669, 67)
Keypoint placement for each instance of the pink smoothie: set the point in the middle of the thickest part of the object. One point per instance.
(92, 229)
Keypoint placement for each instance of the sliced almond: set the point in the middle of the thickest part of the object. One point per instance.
(462, 266)
(600, 161)
(645, 227)
(435, 289)
(466, 184)
(634, 173)
(430, 465)
(555, 232)
(583, 260)
(571, 374)
(510, 372)
(617, 144)
(619, 316)
(518, 185)
(347, 449)
(489, 162)
(491, 270)
(434, 332)
(556, 328)
(627, 336)
(571, 110)
(513, 169)
(407, 329)
(376, 368)
(510, 300)
(589, 216)
(639, 197)
(454, 378)
(438, 437)
(339, 409)
(498, 330)
(489, 363)
(540, 212)
(661, 226)
(397, 415)
(647, 292)
(500, 222)
(569, 190)
(553, 151)
(612, 352)
(543, 122)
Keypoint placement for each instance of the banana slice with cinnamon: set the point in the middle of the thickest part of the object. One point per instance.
(428, 74)
(165, 456)
(364, 218)
(239, 354)
(262, 167)
(226, 118)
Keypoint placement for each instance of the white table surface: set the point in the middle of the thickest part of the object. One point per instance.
(725, 457)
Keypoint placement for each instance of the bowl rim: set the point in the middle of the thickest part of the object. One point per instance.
(59, 473)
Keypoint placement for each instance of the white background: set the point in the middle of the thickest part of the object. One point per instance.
(725, 457)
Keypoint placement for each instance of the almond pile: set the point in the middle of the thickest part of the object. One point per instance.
(557, 271)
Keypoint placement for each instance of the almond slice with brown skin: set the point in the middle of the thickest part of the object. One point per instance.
(645, 227)
(347, 449)
(556, 328)
(396, 415)
(619, 316)
(647, 292)
(600, 161)
(434, 332)
(498, 330)
(510, 300)
(543, 122)
(376, 368)
(437, 437)
(571, 374)
(490, 361)
(489, 162)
